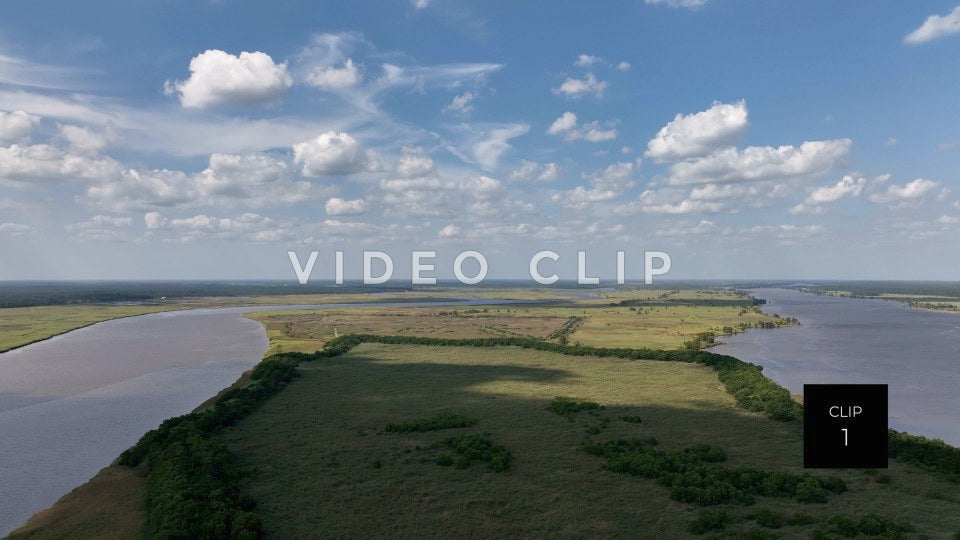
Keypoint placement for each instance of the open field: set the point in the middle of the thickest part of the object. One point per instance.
(637, 318)
(324, 465)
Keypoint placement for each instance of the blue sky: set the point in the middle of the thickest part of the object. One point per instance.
(748, 139)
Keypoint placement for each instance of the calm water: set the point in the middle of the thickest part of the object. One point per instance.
(73, 403)
(845, 340)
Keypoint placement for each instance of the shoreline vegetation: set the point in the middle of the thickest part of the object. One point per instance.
(938, 297)
(193, 485)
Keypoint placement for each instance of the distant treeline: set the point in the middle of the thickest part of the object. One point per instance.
(945, 290)
(25, 294)
(700, 302)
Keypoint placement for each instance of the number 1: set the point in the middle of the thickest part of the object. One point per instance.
(845, 442)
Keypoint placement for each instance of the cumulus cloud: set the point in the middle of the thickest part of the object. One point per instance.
(907, 192)
(623, 66)
(334, 78)
(333, 153)
(759, 163)
(532, 171)
(420, 4)
(14, 229)
(488, 150)
(16, 125)
(605, 185)
(567, 126)
(450, 231)
(44, 162)
(251, 180)
(577, 88)
(700, 133)
(461, 104)
(220, 78)
(848, 186)
(85, 140)
(935, 26)
(587, 60)
(414, 165)
(342, 207)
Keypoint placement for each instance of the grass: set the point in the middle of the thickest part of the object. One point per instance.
(652, 322)
(108, 506)
(319, 459)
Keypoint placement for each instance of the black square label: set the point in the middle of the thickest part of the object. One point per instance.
(845, 425)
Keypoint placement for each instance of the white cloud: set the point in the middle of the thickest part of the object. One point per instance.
(848, 186)
(909, 191)
(683, 207)
(758, 163)
(43, 162)
(341, 207)
(14, 229)
(804, 209)
(84, 140)
(679, 3)
(587, 60)
(623, 66)
(536, 172)
(577, 88)
(332, 153)
(566, 125)
(251, 180)
(890, 142)
(936, 26)
(450, 231)
(701, 133)
(414, 166)
(420, 4)
(461, 104)
(488, 150)
(947, 220)
(335, 78)
(101, 228)
(16, 125)
(605, 185)
(153, 220)
(218, 78)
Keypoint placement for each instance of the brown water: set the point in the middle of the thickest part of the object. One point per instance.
(71, 404)
(848, 340)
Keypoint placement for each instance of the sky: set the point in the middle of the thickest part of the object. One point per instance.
(749, 139)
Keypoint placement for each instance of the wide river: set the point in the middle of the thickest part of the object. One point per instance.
(71, 404)
(847, 340)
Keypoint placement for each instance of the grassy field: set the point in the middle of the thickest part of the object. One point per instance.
(647, 318)
(324, 465)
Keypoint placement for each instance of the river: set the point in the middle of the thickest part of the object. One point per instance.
(71, 404)
(849, 340)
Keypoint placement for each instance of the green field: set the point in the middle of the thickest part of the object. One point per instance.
(324, 465)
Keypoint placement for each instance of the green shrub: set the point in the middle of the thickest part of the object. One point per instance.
(810, 491)
(474, 447)
(631, 419)
(444, 420)
(568, 406)
(933, 455)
